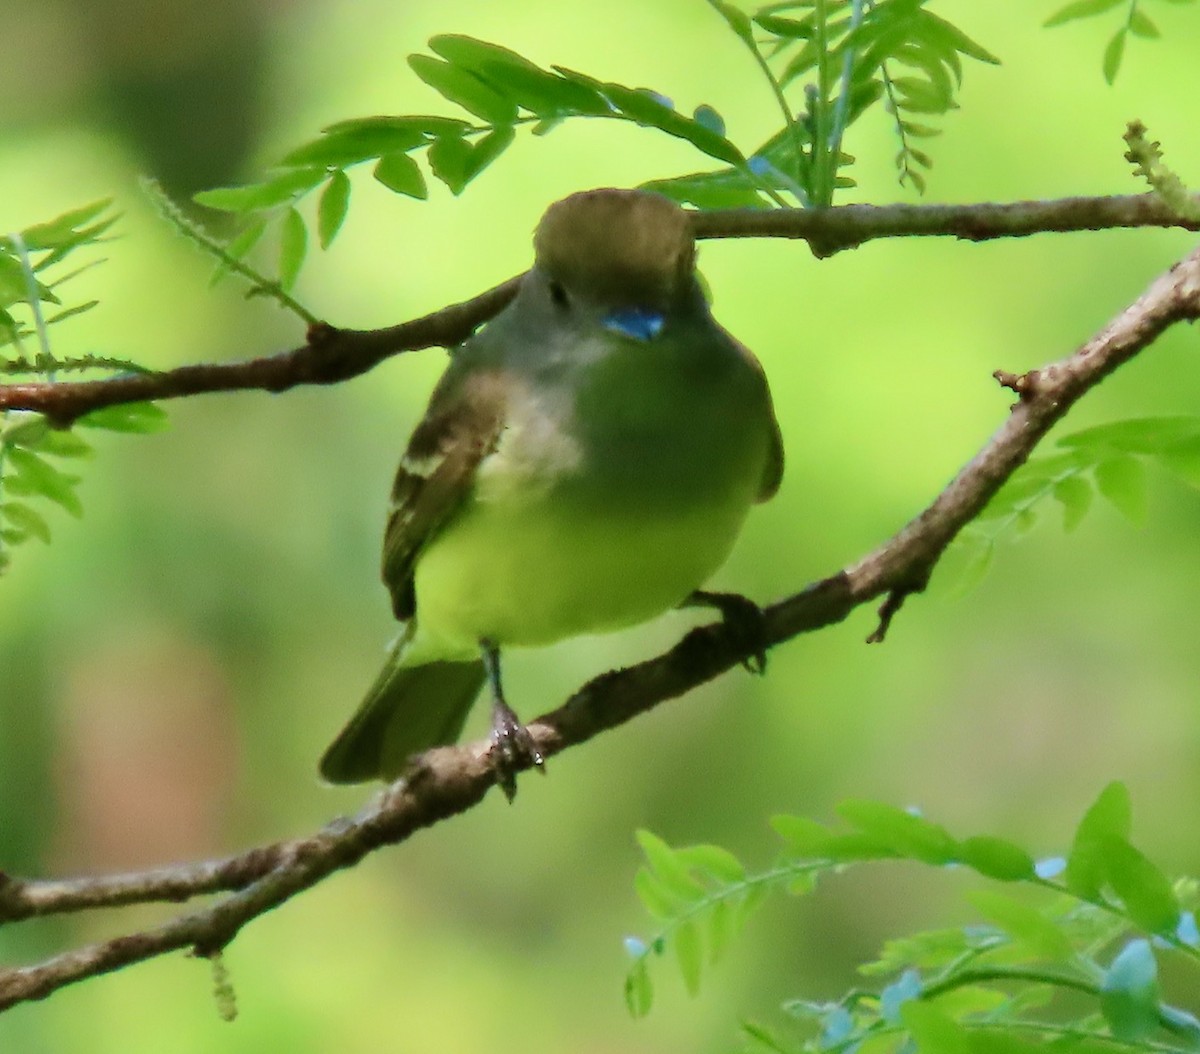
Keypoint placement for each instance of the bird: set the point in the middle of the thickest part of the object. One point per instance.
(585, 463)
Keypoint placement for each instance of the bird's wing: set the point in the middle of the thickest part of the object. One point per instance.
(461, 427)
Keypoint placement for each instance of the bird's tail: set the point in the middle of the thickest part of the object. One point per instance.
(408, 709)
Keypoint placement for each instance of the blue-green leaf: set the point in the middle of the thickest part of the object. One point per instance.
(1129, 999)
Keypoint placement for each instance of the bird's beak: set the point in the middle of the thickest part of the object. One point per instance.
(638, 323)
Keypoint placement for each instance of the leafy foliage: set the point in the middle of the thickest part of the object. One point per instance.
(1109, 460)
(1134, 23)
(840, 57)
(1064, 959)
(32, 453)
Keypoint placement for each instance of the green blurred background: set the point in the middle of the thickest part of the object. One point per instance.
(172, 667)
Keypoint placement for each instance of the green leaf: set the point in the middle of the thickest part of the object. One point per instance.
(358, 142)
(690, 954)
(726, 189)
(456, 162)
(655, 896)
(996, 858)
(1110, 815)
(28, 432)
(719, 928)
(648, 111)
(1138, 435)
(331, 209)
(720, 864)
(401, 174)
(128, 417)
(805, 838)
(1081, 9)
(1142, 887)
(293, 245)
(246, 240)
(1129, 999)
(1024, 924)
(37, 476)
(1141, 25)
(60, 443)
(26, 520)
(537, 90)
(907, 834)
(265, 195)
(938, 31)
(789, 28)
(934, 1031)
(465, 89)
(639, 992)
(1122, 480)
(1182, 460)
(404, 127)
(737, 20)
(1074, 494)
(668, 867)
(14, 284)
(1113, 53)
(63, 230)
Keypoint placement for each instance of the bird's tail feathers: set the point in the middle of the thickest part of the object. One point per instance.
(408, 709)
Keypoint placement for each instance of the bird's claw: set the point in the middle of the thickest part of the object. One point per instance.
(513, 750)
(745, 620)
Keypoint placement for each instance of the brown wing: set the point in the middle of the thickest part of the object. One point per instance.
(460, 428)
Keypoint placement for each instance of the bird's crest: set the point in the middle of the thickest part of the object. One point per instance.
(619, 246)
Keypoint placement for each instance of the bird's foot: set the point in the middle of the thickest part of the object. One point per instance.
(513, 749)
(744, 619)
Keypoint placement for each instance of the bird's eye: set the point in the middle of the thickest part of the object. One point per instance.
(559, 295)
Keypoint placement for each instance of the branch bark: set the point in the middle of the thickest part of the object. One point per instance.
(330, 355)
(449, 780)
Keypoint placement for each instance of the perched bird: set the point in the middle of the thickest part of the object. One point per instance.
(585, 463)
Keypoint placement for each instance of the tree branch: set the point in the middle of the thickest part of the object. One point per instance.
(330, 355)
(449, 780)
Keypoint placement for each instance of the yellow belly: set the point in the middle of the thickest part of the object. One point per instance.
(529, 574)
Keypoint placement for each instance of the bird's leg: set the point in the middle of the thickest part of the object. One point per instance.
(512, 745)
(743, 617)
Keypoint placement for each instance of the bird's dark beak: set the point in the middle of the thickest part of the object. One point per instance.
(637, 323)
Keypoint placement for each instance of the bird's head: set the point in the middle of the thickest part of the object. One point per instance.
(629, 253)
